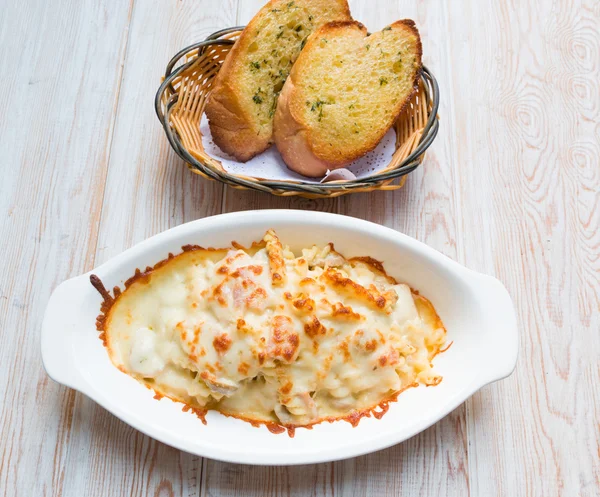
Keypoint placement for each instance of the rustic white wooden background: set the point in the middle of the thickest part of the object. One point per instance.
(510, 187)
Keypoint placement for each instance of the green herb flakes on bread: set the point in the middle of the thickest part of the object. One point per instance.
(344, 93)
(243, 100)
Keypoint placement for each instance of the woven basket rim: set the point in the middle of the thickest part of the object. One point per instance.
(375, 181)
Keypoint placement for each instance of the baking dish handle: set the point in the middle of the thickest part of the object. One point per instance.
(57, 328)
(500, 321)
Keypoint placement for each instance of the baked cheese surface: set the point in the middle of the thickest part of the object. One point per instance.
(270, 336)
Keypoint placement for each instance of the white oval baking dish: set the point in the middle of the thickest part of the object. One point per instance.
(476, 309)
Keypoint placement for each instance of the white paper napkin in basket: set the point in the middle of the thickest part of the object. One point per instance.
(270, 165)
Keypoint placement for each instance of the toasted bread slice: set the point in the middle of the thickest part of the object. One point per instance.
(242, 103)
(344, 93)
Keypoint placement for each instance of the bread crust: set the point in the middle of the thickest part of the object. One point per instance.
(230, 123)
(293, 137)
(291, 140)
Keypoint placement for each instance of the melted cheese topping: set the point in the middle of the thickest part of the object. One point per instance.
(267, 336)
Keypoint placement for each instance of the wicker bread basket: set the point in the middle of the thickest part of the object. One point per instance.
(180, 102)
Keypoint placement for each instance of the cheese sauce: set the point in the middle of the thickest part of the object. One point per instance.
(269, 336)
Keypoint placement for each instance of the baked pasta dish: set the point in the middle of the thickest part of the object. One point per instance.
(271, 336)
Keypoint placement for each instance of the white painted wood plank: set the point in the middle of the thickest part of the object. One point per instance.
(526, 110)
(436, 460)
(222, 479)
(148, 190)
(58, 101)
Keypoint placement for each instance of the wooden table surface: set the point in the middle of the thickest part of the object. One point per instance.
(510, 188)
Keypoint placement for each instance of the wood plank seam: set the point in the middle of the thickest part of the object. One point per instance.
(460, 252)
(72, 395)
(113, 124)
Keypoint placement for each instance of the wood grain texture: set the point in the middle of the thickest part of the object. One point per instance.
(58, 102)
(529, 183)
(529, 188)
(148, 190)
(441, 451)
(511, 187)
(426, 208)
